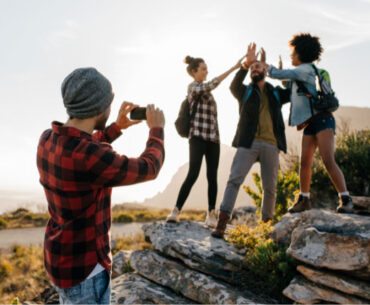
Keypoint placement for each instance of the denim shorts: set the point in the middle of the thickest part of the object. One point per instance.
(319, 123)
(95, 290)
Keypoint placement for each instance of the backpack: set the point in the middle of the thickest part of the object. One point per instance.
(184, 117)
(326, 99)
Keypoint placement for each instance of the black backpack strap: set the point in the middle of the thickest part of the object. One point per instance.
(318, 76)
(302, 88)
(192, 115)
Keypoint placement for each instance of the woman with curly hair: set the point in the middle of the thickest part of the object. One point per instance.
(204, 139)
(318, 127)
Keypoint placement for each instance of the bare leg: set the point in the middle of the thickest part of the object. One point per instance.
(309, 144)
(325, 140)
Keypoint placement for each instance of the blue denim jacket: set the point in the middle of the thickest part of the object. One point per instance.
(300, 110)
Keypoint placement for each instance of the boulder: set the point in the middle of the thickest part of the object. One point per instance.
(192, 284)
(193, 244)
(120, 262)
(335, 251)
(132, 288)
(337, 281)
(302, 291)
(324, 220)
(244, 215)
(361, 204)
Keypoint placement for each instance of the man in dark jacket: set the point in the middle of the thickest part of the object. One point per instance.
(259, 137)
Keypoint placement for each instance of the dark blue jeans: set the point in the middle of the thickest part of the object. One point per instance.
(95, 290)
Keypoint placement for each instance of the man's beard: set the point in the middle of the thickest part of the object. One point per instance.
(100, 124)
(257, 77)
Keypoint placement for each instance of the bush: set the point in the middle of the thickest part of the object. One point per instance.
(287, 187)
(3, 223)
(5, 270)
(272, 269)
(123, 217)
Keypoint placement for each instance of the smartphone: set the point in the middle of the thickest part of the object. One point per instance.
(138, 113)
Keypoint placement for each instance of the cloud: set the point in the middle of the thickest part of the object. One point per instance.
(131, 50)
(69, 32)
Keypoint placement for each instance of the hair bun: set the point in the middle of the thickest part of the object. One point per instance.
(188, 59)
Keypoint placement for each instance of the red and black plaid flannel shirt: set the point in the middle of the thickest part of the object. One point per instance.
(205, 123)
(78, 171)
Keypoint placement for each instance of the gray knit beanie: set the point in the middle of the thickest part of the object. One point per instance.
(86, 93)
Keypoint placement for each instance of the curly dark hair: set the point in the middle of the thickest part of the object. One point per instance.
(193, 64)
(307, 47)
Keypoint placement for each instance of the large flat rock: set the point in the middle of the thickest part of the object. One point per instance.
(323, 220)
(337, 281)
(303, 291)
(361, 204)
(132, 288)
(199, 287)
(335, 251)
(120, 262)
(193, 244)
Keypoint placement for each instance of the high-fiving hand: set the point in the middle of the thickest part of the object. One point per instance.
(251, 54)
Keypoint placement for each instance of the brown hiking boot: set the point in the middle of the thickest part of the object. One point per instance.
(223, 219)
(345, 204)
(302, 204)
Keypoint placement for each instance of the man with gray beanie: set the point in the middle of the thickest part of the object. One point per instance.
(78, 168)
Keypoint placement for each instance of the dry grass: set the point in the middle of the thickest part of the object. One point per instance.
(23, 218)
(22, 273)
(126, 216)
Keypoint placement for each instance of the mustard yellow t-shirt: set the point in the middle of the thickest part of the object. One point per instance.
(265, 130)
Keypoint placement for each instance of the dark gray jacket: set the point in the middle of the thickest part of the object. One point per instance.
(249, 111)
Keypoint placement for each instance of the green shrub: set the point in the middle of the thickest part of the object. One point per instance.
(287, 187)
(353, 157)
(272, 269)
(3, 223)
(123, 217)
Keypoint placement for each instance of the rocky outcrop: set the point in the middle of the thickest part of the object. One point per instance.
(349, 253)
(134, 289)
(190, 283)
(244, 215)
(305, 292)
(192, 243)
(337, 249)
(121, 262)
(323, 220)
(334, 280)
(361, 204)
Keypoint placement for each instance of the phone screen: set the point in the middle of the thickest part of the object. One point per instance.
(138, 113)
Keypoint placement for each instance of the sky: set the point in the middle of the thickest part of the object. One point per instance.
(139, 46)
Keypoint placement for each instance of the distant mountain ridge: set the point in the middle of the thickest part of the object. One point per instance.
(353, 118)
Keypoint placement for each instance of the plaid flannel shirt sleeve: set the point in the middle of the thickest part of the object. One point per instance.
(108, 135)
(197, 89)
(107, 168)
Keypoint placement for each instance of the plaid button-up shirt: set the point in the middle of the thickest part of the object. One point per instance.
(78, 171)
(205, 123)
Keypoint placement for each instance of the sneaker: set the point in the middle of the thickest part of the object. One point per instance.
(345, 204)
(174, 216)
(302, 204)
(211, 220)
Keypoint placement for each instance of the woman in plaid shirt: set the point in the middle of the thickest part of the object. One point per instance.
(204, 139)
